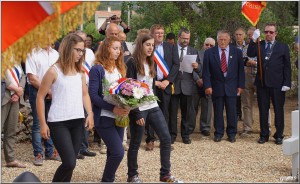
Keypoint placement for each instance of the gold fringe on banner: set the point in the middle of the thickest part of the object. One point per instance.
(38, 37)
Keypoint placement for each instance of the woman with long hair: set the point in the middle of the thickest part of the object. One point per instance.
(70, 95)
(109, 65)
(141, 66)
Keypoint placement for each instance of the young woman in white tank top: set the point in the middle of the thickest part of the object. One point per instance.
(66, 83)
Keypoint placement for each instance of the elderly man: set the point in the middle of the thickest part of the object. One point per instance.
(224, 79)
(240, 43)
(272, 81)
(200, 97)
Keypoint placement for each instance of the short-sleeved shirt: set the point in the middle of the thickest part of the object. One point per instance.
(40, 61)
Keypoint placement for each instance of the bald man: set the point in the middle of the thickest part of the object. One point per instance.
(122, 36)
(112, 30)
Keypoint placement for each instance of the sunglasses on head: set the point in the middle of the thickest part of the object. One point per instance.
(271, 32)
(208, 45)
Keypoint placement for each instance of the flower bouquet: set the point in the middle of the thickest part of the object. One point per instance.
(127, 93)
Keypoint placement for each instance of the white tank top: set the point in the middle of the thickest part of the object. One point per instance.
(67, 101)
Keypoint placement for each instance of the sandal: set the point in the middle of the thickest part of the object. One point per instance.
(15, 164)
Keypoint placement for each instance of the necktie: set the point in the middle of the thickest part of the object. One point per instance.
(181, 54)
(223, 61)
(268, 49)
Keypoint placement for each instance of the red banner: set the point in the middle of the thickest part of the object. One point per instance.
(252, 10)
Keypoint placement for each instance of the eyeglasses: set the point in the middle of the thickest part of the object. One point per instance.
(209, 45)
(79, 51)
(159, 33)
(271, 32)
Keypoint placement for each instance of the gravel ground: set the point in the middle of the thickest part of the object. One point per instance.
(202, 161)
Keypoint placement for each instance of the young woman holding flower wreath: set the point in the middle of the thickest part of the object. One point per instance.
(109, 65)
(141, 67)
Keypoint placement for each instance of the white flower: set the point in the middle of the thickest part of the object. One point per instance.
(138, 93)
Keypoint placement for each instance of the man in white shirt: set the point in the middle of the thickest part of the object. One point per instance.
(37, 64)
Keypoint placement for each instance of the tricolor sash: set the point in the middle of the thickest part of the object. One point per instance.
(86, 67)
(161, 63)
(14, 76)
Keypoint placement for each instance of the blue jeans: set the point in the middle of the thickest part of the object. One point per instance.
(157, 121)
(36, 136)
(85, 144)
(113, 139)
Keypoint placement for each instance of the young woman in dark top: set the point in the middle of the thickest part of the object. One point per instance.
(141, 66)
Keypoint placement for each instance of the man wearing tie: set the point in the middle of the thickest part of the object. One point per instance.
(273, 79)
(224, 79)
(185, 87)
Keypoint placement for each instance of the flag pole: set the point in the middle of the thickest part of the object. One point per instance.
(259, 58)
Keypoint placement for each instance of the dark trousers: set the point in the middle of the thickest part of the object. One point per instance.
(188, 116)
(113, 139)
(205, 110)
(67, 137)
(230, 105)
(264, 95)
(154, 117)
(164, 102)
(238, 106)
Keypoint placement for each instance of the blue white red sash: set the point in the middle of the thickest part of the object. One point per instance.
(161, 63)
(14, 75)
(86, 67)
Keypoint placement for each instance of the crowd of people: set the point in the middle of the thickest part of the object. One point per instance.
(66, 94)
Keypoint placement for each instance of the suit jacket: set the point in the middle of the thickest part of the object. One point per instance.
(96, 92)
(172, 59)
(214, 78)
(185, 82)
(277, 70)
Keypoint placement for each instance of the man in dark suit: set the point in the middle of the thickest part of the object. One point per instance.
(224, 79)
(163, 82)
(185, 87)
(273, 79)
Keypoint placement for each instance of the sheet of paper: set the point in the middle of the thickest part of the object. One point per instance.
(186, 64)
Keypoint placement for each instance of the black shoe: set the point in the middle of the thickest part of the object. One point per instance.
(217, 139)
(278, 141)
(262, 140)
(205, 133)
(231, 139)
(80, 156)
(88, 153)
(186, 141)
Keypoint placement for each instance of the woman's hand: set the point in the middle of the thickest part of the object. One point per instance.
(89, 122)
(45, 131)
(141, 122)
(120, 111)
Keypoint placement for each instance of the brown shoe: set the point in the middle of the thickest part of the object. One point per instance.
(149, 146)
